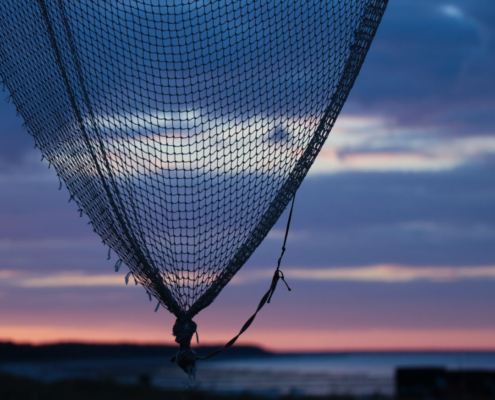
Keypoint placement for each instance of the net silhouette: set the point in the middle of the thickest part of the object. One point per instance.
(183, 128)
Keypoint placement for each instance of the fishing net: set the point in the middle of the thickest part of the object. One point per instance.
(183, 128)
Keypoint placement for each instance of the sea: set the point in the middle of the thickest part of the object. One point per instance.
(357, 374)
(370, 363)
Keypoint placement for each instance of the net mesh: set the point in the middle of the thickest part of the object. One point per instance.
(183, 128)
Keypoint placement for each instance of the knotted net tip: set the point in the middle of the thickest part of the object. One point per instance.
(183, 331)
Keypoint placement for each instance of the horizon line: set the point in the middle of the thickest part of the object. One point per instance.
(251, 345)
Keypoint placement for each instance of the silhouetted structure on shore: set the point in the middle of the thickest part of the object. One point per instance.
(442, 384)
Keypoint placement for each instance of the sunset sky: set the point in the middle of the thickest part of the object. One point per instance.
(392, 244)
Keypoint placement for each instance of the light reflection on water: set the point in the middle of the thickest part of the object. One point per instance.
(363, 363)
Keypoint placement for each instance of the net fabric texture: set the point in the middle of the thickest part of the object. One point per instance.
(183, 128)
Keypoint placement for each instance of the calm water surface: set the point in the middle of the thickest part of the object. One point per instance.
(366, 363)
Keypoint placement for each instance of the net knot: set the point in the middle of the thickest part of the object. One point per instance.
(183, 331)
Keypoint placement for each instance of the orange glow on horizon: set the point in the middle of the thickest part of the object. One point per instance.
(280, 341)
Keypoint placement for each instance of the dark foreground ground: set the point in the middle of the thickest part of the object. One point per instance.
(14, 388)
